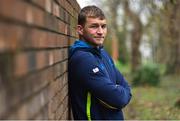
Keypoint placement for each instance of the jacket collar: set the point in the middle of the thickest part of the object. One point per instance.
(82, 45)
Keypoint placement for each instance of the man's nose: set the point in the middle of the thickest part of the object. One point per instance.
(100, 30)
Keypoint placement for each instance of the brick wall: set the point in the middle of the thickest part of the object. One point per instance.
(34, 40)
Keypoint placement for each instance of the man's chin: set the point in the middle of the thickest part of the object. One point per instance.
(99, 43)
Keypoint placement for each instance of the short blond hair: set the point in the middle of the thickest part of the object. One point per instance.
(90, 11)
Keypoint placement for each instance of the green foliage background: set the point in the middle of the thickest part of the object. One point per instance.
(153, 102)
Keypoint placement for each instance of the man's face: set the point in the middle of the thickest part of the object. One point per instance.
(94, 31)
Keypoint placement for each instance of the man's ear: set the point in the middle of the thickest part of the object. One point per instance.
(80, 29)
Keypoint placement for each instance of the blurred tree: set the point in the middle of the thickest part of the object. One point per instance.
(113, 7)
(136, 34)
(161, 29)
(173, 17)
(116, 37)
(165, 21)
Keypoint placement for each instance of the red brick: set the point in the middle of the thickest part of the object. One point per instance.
(54, 87)
(72, 40)
(30, 108)
(40, 3)
(41, 59)
(64, 79)
(48, 5)
(58, 70)
(61, 27)
(55, 9)
(20, 113)
(37, 16)
(51, 115)
(10, 37)
(12, 9)
(51, 58)
(2, 100)
(64, 111)
(57, 56)
(59, 111)
(43, 39)
(22, 61)
(37, 36)
(74, 5)
(61, 2)
(57, 100)
(21, 64)
(65, 53)
(22, 12)
(65, 114)
(62, 108)
(39, 39)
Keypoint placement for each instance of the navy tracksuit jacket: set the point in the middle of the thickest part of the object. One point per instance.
(97, 89)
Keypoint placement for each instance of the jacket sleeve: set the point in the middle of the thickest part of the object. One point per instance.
(97, 82)
(120, 80)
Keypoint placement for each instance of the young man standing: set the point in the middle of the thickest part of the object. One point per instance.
(97, 89)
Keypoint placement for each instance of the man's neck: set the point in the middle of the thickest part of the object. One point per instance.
(91, 44)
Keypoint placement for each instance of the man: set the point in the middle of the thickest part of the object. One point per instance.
(97, 89)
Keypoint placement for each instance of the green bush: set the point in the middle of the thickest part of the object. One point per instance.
(148, 74)
(123, 68)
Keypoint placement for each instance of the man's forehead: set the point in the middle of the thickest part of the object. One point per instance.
(95, 20)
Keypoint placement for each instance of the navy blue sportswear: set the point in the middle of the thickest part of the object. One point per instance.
(97, 89)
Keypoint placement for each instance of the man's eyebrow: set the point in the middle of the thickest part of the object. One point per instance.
(94, 23)
(97, 24)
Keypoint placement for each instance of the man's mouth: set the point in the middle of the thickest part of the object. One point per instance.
(99, 37)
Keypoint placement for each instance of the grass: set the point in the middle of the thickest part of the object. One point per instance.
(155, 103)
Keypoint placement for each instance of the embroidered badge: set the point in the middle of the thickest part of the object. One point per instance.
(95, 70)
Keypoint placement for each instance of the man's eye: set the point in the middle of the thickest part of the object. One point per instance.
(103, 26)
(93, 26)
